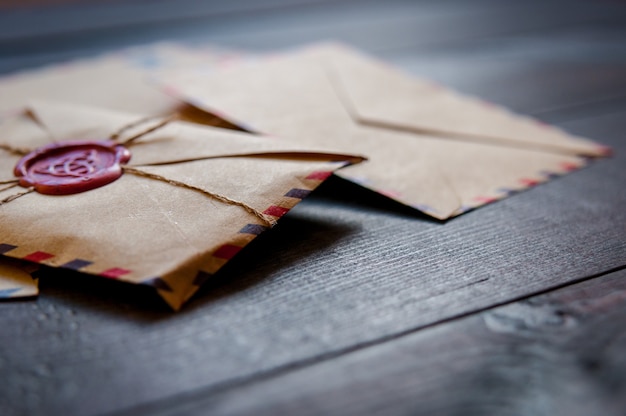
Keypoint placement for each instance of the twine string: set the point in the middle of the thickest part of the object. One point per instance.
(15, 196)
(114, 136)
(127, 142)
(23, 152)
(19, 151)
(12, 184)
(218, 197)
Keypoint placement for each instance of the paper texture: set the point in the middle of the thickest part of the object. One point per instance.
(118, 81)
(142, 230)
(428, 147)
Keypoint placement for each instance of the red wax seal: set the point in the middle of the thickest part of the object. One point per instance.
(71, 167)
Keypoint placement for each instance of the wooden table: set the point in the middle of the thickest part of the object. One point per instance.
(353, 305)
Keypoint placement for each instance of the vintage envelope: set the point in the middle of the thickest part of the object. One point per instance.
(118, 81)
(190, 198)
(428, 147)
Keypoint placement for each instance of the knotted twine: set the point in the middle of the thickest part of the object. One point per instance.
(116, 137)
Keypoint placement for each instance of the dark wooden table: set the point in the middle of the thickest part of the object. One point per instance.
(353, 305)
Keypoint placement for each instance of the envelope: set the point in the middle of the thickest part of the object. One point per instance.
(428, 147)
(190, 198)
(118, 81)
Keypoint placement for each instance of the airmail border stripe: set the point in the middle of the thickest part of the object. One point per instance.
(298, 193)
(254, 229)
(545, 175)
(228, 251)
(276, 211)
(224, 252)
(5, 248)
(38, 256)
(320, 175)
(114, 273)
(76, 264)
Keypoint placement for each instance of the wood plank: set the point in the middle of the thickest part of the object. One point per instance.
(552, 89)
(560, 353)
(344, 268)
(49, 18)
(568, 67)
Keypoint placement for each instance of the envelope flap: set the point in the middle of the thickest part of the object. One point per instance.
(377, 94)
(174, 143)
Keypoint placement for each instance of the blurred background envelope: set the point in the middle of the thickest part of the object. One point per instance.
(428, 147)
(118, 81)
(190, 198)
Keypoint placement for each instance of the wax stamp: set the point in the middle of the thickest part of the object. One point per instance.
(71, 167)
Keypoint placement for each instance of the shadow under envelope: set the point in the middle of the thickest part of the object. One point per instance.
(294, 239)
(341, 192)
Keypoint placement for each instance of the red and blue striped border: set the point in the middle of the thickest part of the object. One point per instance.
(224, 252)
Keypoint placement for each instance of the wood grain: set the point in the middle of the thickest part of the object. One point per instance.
(560, 353)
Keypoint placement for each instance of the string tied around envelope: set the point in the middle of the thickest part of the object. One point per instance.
(15, 196)
(213, 195)
(116, 137)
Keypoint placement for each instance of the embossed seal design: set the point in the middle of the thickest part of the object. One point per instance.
(71, 167)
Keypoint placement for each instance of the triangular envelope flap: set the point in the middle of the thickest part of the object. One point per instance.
(261, 95)
(378, 94)
(448, 177)
(481, 173)
(403, 169)
(177, 142)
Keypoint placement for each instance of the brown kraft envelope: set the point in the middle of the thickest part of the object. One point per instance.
(118, 81)
(428, 147)
(190, 198)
